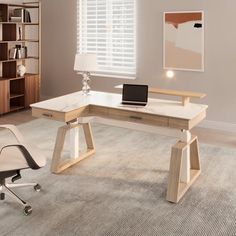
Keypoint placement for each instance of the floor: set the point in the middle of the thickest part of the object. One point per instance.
(16, 118)
(112, 195)
(209, 136)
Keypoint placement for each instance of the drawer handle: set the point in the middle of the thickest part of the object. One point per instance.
(136, 117)
(47, 115)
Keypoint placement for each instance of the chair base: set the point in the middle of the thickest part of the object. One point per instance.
(5, 189)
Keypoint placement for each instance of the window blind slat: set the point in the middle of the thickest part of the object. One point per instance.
(108, 28)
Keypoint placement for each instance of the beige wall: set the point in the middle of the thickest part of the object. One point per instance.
(218, 80)
(9, 1)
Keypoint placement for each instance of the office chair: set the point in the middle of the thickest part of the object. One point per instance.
(15, 157)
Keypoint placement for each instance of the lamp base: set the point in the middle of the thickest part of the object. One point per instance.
(85, 83)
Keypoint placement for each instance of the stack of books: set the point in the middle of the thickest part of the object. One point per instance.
(21, 15)
(18, 52)
(1, 16)
(15, 19)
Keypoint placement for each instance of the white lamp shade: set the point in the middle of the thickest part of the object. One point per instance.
(85, 62)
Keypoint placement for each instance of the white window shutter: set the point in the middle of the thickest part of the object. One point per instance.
(108, 29)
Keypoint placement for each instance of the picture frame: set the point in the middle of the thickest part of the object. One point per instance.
(183, 40)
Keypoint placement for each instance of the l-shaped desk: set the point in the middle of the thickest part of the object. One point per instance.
(170, 116)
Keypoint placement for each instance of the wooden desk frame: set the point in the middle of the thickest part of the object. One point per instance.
(184, 163)
(57, 165)
(175, 188)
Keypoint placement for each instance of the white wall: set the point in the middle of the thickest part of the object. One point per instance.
(218, 80)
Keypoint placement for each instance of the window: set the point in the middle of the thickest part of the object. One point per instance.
(108, 29)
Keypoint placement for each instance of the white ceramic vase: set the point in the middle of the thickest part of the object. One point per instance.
(21, 70)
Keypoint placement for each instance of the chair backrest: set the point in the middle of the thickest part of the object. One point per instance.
(18, 149)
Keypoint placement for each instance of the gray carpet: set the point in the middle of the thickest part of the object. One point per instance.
(121, 189)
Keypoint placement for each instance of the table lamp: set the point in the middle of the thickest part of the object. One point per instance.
(85, 64)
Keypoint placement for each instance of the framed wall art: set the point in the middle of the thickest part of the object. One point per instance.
(183, 40)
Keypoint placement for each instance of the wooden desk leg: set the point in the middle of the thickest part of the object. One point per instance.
(74, 141)
(185, 100)
(57, 165)
(185, 163)
(176, 189)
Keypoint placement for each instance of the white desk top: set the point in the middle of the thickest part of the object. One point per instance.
(161, 107)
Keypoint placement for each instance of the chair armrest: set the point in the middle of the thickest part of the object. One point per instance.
(14, 131)
(29, 159)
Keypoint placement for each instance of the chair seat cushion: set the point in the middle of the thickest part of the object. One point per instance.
(11, 158)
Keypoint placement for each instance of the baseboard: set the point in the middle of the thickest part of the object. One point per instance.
(218, 125)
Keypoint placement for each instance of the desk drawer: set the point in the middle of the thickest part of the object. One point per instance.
(74, 114)
(178, 123)
(98, 111)
(53, 115)
(138, 117)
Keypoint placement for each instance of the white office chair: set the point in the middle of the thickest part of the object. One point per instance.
(15, 157)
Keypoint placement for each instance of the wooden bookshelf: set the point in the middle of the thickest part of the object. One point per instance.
(22, 41)
(19, 23)
(18, 92)
(25, 5)
(12, 95)
(20, 59)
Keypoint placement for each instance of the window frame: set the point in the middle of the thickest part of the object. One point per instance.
(111, 73)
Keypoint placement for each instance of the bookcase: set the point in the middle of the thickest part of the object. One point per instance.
(20, 46)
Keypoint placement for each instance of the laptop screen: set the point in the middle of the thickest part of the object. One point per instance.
(135, 93)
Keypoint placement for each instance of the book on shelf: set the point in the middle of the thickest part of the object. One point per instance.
(1, 16)
(12, 53)
(15, 19)
(23, 14)
(26, 15)
(18, 52)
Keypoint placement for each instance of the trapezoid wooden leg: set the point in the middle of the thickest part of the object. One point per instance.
(60, 140)
(58, 165)
(88, 135)
(176, 189)
(194, 155)
(174, 172)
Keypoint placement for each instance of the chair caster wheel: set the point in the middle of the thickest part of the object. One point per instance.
(37, 188)
(27, 210)
(2, 196)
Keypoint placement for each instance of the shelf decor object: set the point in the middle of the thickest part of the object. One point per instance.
(85, 64)
(183, 41)
(21, 70)
(20, 55)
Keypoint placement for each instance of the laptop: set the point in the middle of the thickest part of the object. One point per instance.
(135, 94)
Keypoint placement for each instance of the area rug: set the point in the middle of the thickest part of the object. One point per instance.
(121, 189)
